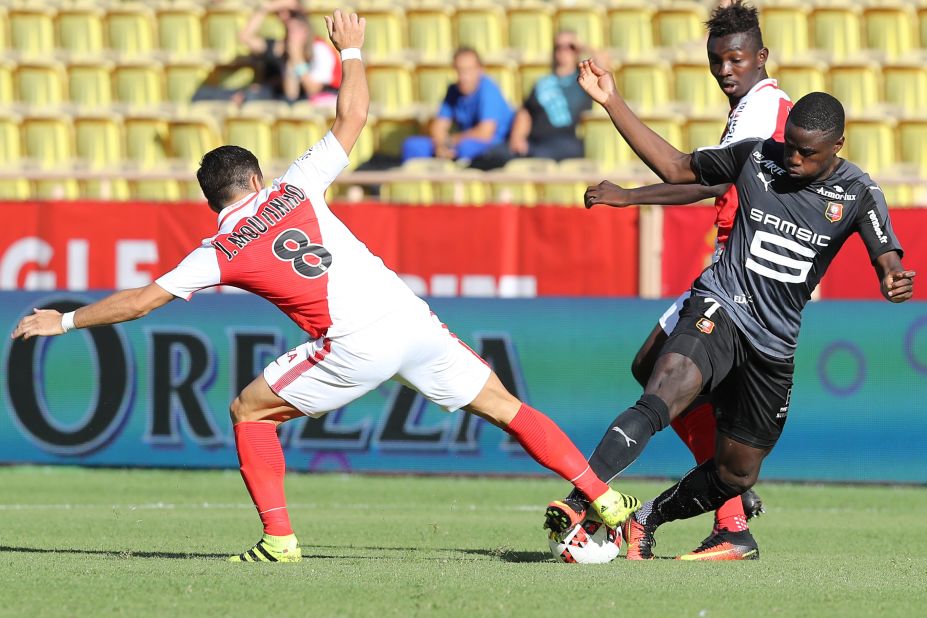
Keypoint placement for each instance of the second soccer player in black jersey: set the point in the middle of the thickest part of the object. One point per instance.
(737, 333)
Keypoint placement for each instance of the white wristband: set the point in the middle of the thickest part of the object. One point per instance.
(351, 53)
(67, 321)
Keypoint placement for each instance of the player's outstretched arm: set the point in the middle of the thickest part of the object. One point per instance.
(610, 194)
(122, 306)
(347, 32)
(897, 283)
(669, 164)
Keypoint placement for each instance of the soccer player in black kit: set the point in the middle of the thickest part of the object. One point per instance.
(737, 333)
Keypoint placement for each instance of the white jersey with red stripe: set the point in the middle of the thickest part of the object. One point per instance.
(285, 245)
(762, 113)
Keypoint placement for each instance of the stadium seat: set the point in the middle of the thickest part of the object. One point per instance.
(32, 30)
(905, 86)
(698, 90)
(529, 74)
(384, 38)
(680, 24)
(431, 82)
(631, 30)
(390, 85)
(870, 144)
(183, 78)
(586, 19)
(912, 138)
(180, 28)
(10, 157)
(90, 83)
(668, 126)
(254, 132)
(391, 132)
(481, 27)
(80, 29)
(4, 28)
(232, 76)
(523, 192)
(531, 30)
(99, 145)
(922, 25)
(505, 74)
(785, 30)
(856, 86)
(430, 32)
(192, 137)
(146, 140)
(48, 140)
(703, 131)
(420, 192)
(155, 190)
(891, 29)
(295, 135)
(603, 144)
(139, 83)
(130, 28)
(799, 78)
(364, 147)
(221, 26)
(837, 30)
(646, 84)
(40, 82)
(7, 90)
(570, 193)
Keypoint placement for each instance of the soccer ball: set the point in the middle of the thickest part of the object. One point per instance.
(588, 542)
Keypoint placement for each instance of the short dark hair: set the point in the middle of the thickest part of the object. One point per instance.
(460, 51)
(819, 111)
(736, 18)
(225, 172)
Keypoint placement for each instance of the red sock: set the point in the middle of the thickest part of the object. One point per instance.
(550, 447)
(697, 429)
(262, 468)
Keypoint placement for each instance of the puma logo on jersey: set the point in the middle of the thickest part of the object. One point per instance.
(765, 182)
(626, 437)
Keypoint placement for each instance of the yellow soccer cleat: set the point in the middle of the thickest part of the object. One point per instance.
(614, 507)
(272, 549)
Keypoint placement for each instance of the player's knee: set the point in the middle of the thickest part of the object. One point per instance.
(741, 478)
(239, 411)
(640, 369)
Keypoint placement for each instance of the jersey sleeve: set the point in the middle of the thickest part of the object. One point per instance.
(318, 167)
(715, 165)
(322, 67)
(199, 270)
(763, 117)
(874, 224)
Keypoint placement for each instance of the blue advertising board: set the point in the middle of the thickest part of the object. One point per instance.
(155, 392)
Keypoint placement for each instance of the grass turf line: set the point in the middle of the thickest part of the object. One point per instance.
(78, 542)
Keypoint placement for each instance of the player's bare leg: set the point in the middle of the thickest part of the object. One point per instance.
(256, 413)
(549, 446)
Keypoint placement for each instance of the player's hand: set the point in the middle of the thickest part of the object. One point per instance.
(596, 81)
(898, 286)
(607, 193)
(346, 31)
(42, 322)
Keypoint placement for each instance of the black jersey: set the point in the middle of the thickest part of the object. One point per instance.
(785, 236)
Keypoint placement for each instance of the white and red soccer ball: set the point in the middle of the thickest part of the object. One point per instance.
(588, 542)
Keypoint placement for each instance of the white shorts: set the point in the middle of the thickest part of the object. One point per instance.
(411, 346)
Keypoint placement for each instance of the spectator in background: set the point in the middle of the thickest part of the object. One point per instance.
(473, 105)
(545, 124)
(301, 66)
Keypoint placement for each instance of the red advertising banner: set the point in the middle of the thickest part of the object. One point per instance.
(439, 250)
(688, 242)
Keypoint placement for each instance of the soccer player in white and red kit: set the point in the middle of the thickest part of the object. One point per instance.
(365, 325)
(759, 108)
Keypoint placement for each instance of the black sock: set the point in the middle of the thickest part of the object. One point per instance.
(627, 436)
(701, 490)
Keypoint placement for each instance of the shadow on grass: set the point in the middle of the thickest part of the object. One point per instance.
(112, 553)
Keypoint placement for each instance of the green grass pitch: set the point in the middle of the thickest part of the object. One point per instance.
(78, 542)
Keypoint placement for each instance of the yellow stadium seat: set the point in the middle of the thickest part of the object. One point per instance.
(531, 30)
(483, 28)
(192, 137)
(603, 144)
(680, 24)
(505, 75)
(631, 28)
(529, 74)
(856, 86)
(41, 83)
(4, 28)
(695, 87)
(646, 84)
(32, 30)
(785, 30)
(799, 78)
(80, 29)
(706, 131)
(385, 33)
(180, 28)
(233, 76)
(391, 132)
(587, 20)
(182, 79)
(891, 29)
(570, 193)
(431, 32)
(7, 90)
(905, 86)
(668, 126)
(418, 192)
(523, 192)
(870, 144)
(139, 83)
(10, 158)
(391, 85)
(922, 25)
(90, 83)
(159, 190)
(912, 138)
(365, 145)
(130, 28)
(837, 30)
(294, 136)
(253, 132)
(48, 140)
(432, 81)
(221, 26)
(146, 140)
(99, 141)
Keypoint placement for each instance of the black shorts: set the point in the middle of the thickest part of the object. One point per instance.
(750, 390)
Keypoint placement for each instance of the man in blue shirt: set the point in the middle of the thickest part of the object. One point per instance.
(474, 106)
